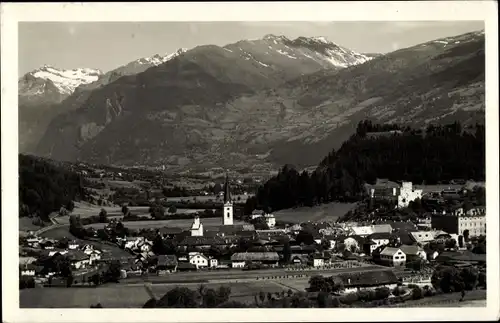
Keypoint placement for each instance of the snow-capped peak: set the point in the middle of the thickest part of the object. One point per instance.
(158, 59)
(67, 81)
(321, 39)
(272, 37)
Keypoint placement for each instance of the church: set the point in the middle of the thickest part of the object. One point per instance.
(227, 212)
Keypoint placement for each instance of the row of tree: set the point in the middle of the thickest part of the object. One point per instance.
(439, 154)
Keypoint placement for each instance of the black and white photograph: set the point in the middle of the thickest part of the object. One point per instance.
(260, 164)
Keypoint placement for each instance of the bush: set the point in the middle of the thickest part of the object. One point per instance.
(349, 298)
(382, 292)
(417, 293)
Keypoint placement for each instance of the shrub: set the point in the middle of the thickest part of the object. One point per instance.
(417, 293)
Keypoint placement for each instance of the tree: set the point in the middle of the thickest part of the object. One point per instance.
(103, 216)
(470, 277)
(125, 210)
(450, 244)
(172, 209)
(466, 235)
(448, 279)
(480, 248)
(305, 237)
(287, 252)
(70, 206)
(179, 297)
(460, 241)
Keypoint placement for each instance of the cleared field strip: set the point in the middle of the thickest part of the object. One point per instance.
(180, 223)
(327, 212)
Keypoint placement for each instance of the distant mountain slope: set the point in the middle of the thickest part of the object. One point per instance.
(46, 92)
(165, 104)
(251, 104)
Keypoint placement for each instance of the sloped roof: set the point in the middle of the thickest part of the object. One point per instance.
(368, 278)
(173, 230)
(379, 236)
(77, 255)
(389, 251)
(167, 261)
(255, 256)
(410, 249)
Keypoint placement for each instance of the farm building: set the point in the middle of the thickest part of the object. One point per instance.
(166, 264)
(240, 259)
(367, 280)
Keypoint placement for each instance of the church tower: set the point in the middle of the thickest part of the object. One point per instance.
(228, 204)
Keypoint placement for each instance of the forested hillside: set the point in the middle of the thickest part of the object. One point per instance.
(423, 156)
(45, 188)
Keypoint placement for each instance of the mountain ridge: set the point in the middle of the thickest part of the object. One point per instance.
(214, 106)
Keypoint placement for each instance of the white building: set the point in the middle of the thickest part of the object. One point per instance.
(393, 257)
(270, 220)
(197, 227)
(408, 194)
(227, 213)
(198, 259)
(214, 263)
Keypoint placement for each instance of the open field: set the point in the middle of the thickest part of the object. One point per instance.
(180, 223)
(326, 212)
(209, 198)
(109, 296)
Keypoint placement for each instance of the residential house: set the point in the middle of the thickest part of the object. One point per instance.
(198, 259)
(299, 259)
(27, 270)
(413, 252)
(169, 233)
(422, 237)
(355, 281)
(213, 262)
(94, 254)
(47, 244)
(318, 260)
(331, 241)
(364, 231)
(78, 259)
(33, 242)
(389, 256)
(375, 240)
(167, 264)
(256, 214)
(240, 259)
(270, 220)
(72, 245)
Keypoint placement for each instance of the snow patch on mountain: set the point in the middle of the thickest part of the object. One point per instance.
(66, 81)
(159, 59)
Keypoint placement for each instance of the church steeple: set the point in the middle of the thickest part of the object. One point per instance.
(228, 204)
(227, 191)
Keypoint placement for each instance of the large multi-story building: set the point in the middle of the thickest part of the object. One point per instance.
(403, 194)
(458, 222)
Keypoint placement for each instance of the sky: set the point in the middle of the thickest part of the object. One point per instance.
(108, 45)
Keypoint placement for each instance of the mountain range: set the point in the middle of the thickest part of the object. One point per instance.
(250, 105)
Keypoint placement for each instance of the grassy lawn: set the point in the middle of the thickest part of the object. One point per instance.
(325, 212)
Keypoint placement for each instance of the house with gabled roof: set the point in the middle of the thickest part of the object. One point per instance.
(389, 256)
(367, 280)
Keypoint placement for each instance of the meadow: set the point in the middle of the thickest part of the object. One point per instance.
(153, 224)
(320, 213)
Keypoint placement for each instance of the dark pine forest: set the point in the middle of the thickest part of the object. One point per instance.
(438, 153)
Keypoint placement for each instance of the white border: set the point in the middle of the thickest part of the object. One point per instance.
(247, 11)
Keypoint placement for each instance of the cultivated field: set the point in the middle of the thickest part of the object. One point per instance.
(327, 212)
(180, 223)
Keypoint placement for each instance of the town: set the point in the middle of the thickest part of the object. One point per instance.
(439, 231)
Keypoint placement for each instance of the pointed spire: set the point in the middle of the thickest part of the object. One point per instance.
(227, 190)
